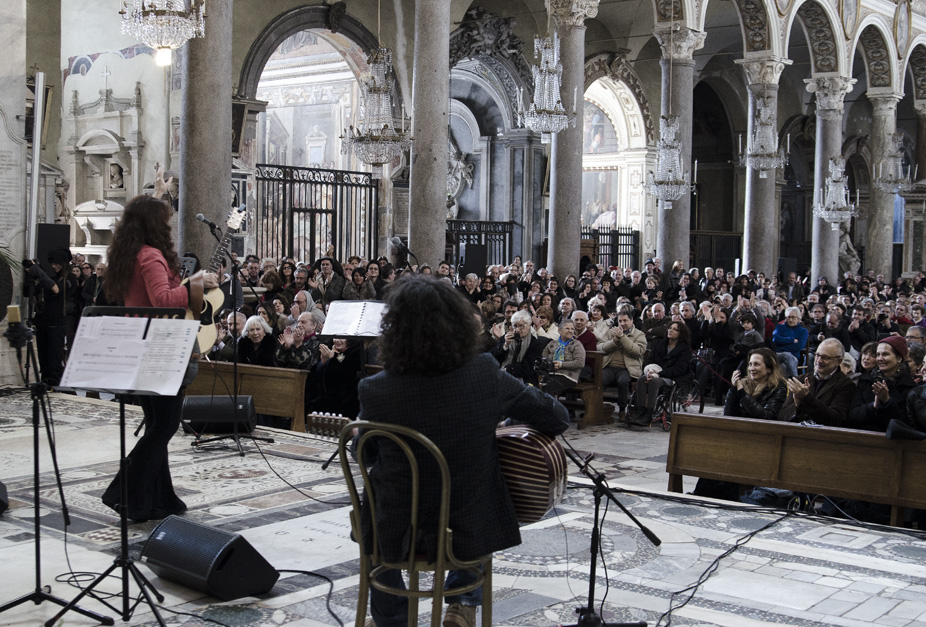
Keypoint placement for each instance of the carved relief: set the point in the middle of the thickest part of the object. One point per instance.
(619, 70)
(755, 24)
(876, 57)
(830, 92)
(884, 105)
(679, 44)
(669, 10)
(820, 34)
(918, 68)
(763, 71)
(902, 19)
(572, 12)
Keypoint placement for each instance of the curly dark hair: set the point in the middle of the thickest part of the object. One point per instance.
(144, 222)
(429, 327)
(684, 335)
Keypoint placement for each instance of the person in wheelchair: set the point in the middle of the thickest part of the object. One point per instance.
(669, 362)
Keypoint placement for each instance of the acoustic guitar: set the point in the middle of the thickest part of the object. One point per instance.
(533, 464)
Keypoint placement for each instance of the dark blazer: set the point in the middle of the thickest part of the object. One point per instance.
(459, 411)
(828, 402)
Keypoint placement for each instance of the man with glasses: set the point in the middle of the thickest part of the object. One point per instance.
(517, 350)
(916, 335)
(826, 395)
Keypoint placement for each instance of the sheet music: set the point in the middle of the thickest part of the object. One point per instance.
(354, 318)
(170, 344)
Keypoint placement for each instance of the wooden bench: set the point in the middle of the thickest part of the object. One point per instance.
(276, 391)
(846, 463)
(592, 395)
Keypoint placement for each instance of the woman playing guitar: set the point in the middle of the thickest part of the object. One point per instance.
(144, 272)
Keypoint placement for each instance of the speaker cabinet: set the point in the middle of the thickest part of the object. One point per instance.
(221, 564)
(216, 414)
(4, 498)
(50, 237)
(475, 259)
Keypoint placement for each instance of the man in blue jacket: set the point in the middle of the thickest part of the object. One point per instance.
(790, 338)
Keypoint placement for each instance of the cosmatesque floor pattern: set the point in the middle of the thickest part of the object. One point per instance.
(794, 570)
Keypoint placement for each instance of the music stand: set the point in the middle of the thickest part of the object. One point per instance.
(123, 561)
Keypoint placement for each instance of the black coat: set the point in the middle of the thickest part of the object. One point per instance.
(828, 403)
(675, 364)
(864, 415)
(459, 411)
(766, 406)
(524, 369)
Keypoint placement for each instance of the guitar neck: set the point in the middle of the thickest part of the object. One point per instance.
(216, 261)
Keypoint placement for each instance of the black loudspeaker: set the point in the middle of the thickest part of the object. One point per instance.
(4, 498)
(475, 259)
(48, 238)
(216, 414)
(221, 564)
(787, 265)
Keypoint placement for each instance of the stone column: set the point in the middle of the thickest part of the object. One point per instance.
(761, 212)
(920, 165)
(879, 251)
(566, 154)
(427, 213)
(206, 132)
(830, 93)
(673, 233)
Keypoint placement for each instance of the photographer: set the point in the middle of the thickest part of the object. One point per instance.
(54, 300)
(518, 350)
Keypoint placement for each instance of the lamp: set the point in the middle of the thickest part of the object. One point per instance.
(164, 24)
(833, 203)
(375, 138)
(894, 181)
(546, 114)
(762, 152)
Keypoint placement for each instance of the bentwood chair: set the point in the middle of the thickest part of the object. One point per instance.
(372, 565)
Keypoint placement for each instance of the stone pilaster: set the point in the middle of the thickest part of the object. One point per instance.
(206, 132)
(830, 92)
(566, 155)
(920, 108)
(879, 252)
(427, 214)
(673, 233)
(761, 211)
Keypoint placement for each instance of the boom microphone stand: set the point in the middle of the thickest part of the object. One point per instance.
(20, 337)
(587, 615)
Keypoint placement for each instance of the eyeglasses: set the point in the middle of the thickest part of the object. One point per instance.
(823, 357)
(520, 325)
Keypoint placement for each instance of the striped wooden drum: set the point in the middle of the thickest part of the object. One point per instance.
(534, 466)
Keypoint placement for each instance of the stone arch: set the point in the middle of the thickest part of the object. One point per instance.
(755, 23)
(321, 17)
(616, 68)
(916, 64)
(819, 24)
(878, 56)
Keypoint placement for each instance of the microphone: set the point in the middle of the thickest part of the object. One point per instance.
(397, 242)
(212, 225)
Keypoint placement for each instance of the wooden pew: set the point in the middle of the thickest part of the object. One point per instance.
(276, 391)
(846, 463)
(592, 395)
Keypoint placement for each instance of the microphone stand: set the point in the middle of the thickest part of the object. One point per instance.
(587, 615)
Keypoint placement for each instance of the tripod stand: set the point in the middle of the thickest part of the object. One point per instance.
(587, 615)
(21, 337)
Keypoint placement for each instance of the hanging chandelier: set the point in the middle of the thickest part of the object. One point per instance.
(670, 182)
(546, 114)
(833, 203)
(375, 139)
(894, 180)
(762, 151)
(163, 24)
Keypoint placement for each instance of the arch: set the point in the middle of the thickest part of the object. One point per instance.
(916, 64)
(289, 23)
(755, 22)
(827, 55)
(878, 55)
(615, 67)
(100, 141)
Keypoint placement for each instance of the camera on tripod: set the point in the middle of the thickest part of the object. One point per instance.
(544, 365)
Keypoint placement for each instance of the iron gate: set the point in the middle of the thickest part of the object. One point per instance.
(616, 247)
(301, 212)
(496, 236)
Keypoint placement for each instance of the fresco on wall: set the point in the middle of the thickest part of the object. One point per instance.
(599, 198)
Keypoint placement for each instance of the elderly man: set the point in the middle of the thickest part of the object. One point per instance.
(655, 328)
(789, 339)
(825, 396)
(470, 288)
(623, 347)
(224, 347)
(587, 339)
(328, 284)
(517, 350)
(299, 345)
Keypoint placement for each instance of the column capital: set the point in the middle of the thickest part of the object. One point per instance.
(763, 70)
(885, 103)
(830, 91)
(920, 107)
(679, 44)
(571, 12)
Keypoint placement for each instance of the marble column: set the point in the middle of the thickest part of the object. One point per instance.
(879, 249)
(761, 212)
(206, 132)
(427, 213)
(830, 93)
(673, 233)
(566, 154)
(920, 107)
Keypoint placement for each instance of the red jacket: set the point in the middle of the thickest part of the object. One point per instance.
(153, 284)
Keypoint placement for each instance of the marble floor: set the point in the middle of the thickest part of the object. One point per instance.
(767, 567)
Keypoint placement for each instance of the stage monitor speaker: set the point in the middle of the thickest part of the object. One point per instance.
(48, 238)
(4, 498)
(221, 564)
(215, 414)
(475, 259)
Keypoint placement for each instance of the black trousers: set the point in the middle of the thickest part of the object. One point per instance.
(49, 346)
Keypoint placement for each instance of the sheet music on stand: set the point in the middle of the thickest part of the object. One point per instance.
(354, 318)
(122, 355)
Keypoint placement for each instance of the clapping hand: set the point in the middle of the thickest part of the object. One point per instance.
(325, 353)
(882, 393)
(286, 338)
(798, 390)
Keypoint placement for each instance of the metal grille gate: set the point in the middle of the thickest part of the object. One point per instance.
(301, 212)
(495, 235)
(616, 247)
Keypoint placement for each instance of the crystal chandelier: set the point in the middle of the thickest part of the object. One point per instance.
(762, 152)
(893, 181)
(546, 114)
(669, 182)
(163, 24)
(833, 203)
(375, 139)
